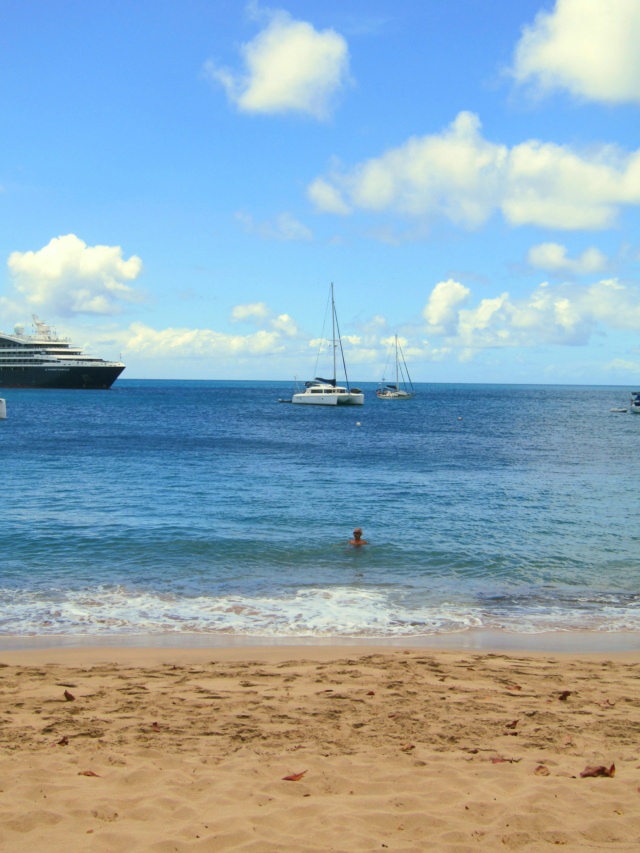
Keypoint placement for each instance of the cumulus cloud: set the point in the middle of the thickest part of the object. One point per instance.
(287, 325)
(260, 313)
(564, 315)
(327, 198)
(553, 258)
(460, 176)
(198, 343)
(67, 277)
(441, 311)
(621, 365)
(284, 227)
(288, 67)
(251, 311)
(586, 47)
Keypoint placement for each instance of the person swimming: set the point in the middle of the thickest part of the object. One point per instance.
(357, 537)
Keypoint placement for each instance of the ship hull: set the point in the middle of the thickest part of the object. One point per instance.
(88, 377)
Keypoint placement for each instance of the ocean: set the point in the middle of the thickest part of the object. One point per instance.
(210, 510)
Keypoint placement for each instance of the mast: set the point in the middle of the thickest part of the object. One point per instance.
(333, 335)
(397, 377)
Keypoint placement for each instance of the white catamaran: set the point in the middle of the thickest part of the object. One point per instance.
(403, 387)
(326, 392)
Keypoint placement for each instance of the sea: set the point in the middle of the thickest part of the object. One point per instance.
(212, 513)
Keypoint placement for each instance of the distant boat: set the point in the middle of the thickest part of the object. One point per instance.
(634, 402)
(43, 360)
(403, 387)
(326, 392)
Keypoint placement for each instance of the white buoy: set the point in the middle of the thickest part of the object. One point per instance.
(3, 408)
(358, 423)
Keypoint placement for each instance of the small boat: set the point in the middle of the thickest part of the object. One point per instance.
(634, 402)
(327, 392)
(403, 387)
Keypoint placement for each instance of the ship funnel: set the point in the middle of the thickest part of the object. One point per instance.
(3, 409)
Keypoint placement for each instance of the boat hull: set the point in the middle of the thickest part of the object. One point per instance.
(332, 399)
(394, 395)
(86, 377)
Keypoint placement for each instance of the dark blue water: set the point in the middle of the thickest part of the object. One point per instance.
(210, 507)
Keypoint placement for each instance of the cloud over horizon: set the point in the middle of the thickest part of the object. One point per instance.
(565, 315)
(67, 277)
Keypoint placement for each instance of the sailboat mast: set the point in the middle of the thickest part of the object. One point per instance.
(397, 377)
(333, 334)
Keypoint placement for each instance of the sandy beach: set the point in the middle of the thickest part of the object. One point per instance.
(318, 748)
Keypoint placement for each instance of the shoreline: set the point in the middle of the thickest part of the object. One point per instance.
(242, 647)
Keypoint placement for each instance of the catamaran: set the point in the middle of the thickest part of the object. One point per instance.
(326, 392)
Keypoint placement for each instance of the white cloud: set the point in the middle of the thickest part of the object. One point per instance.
(621, 365)
(284, 227)
(462, 177)
(250, 311)
(586, 47)
(67, 277)
(285, 324)
(441, 311)
(259, 313)
(197, 343)
(289, 67)
(563, 315)
(327, 198)
(553, 258)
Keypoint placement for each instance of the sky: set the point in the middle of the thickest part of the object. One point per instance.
(181, 181)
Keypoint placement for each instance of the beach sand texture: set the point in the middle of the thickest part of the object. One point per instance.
(403, 751)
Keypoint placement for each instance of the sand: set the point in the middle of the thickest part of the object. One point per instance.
(399, 750)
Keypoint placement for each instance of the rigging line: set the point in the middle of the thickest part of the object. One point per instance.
(344, 364)
(322, 338)
(386, 367)
(404, 367)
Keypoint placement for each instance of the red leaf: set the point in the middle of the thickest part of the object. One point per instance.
(155, 727)
(512, 724)
(599, 771)
(63, 741)
(88, 773)
(564, 695)
(371, 693)
(69, 696)
(541, 770)
(294, 777)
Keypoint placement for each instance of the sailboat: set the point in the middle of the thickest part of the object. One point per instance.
(326, 392)
(403, 387)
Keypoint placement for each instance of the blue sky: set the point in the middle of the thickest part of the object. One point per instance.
(180, 182)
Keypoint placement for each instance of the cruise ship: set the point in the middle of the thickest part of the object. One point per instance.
(43, 360)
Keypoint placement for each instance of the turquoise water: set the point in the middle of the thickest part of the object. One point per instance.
(209, 507)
